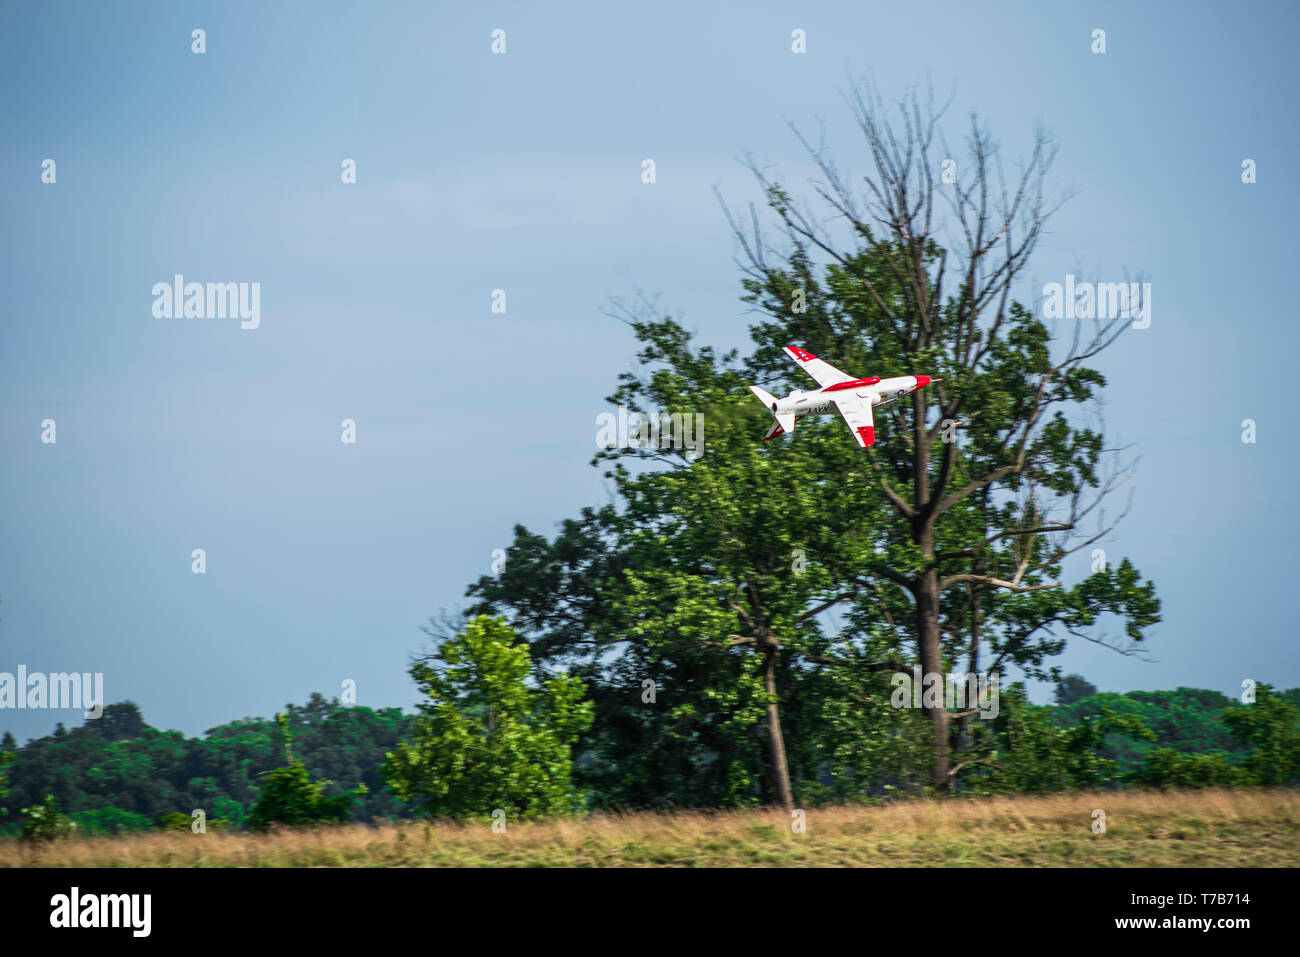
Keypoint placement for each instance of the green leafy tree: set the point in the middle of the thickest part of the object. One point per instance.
(992, 473)
(1072, 689)
(289, 796)
(1270, 726)
(484, 739)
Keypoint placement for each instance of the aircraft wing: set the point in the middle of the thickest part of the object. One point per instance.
(822, 371)
(857, 413)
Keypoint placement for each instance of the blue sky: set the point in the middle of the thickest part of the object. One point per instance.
(522, 172)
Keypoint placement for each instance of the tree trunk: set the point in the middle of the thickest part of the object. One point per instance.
(966, 739)
(927, 630)
(775, 740)
(927, 591)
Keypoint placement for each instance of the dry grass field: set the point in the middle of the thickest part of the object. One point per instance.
(1178, 829)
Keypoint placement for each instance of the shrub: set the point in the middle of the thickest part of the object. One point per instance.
(1169, 768)
(43, 822)
(290, 797)
(110, 820)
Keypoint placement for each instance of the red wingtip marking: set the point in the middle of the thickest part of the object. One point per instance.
(868, 434)
(801, 355)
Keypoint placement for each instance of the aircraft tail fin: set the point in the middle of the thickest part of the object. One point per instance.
(784, 420)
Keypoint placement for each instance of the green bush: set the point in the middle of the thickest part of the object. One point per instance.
(1169, 768)
(110, 820)
(180, 821)
(290, 797)
(1023, 751)
(175, 821)
(43, 822)
(6, 758)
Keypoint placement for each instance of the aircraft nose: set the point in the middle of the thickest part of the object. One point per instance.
(922, 380)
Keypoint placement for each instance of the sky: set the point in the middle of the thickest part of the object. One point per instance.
(521, 171)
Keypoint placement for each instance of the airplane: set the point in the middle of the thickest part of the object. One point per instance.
(840, 392)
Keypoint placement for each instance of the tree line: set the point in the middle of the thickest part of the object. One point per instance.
(345, 762)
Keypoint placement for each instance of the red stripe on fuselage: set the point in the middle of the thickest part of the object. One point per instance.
(852, 384)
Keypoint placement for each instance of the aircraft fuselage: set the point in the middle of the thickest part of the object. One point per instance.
(878, 391)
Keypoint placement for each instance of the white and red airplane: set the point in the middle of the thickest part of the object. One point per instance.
(839, 392)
